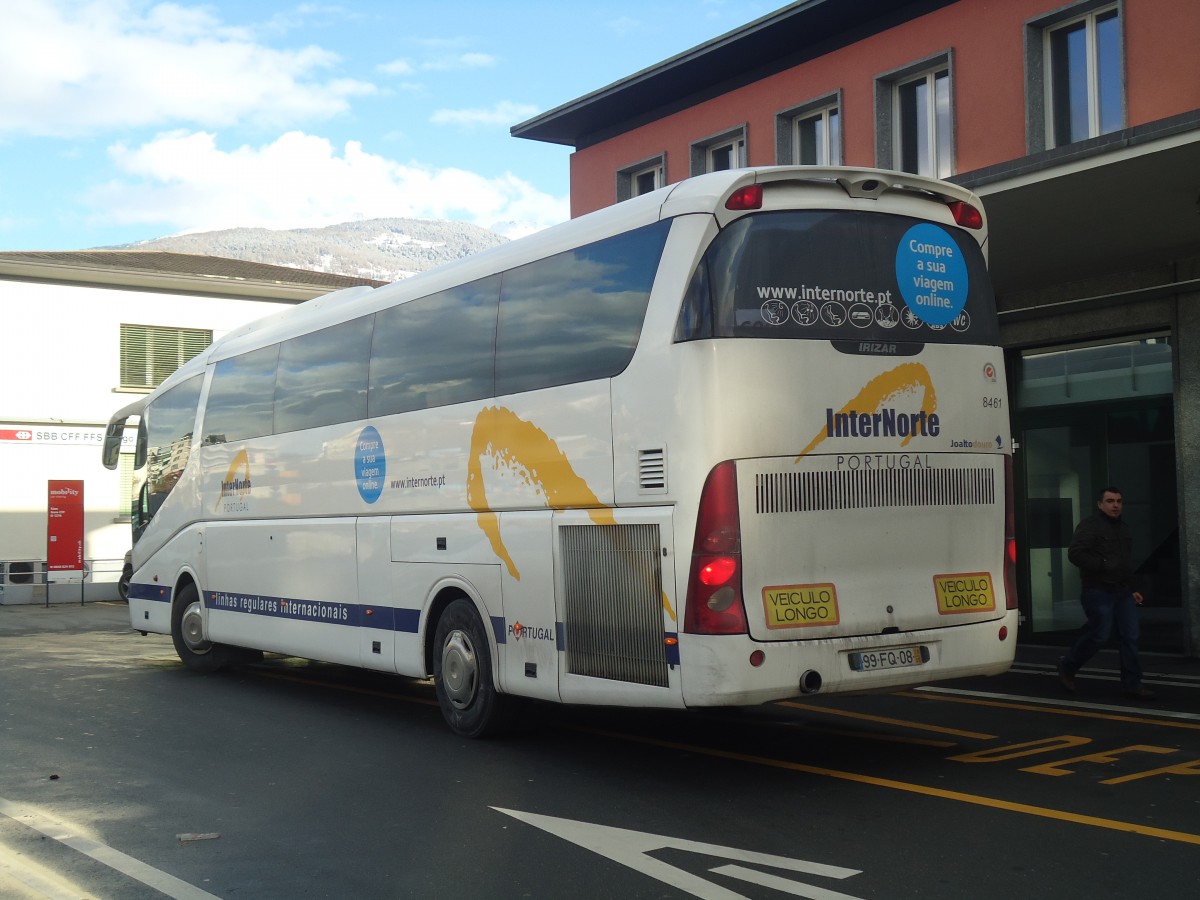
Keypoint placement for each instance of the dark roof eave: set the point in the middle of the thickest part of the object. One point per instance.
(777, 41)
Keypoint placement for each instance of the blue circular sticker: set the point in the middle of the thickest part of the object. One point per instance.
(932, 274)
(370, 464)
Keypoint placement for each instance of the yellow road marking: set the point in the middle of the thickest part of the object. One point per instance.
(1055, 710)
(1165, 834)
(884, 720)
(1182, 837)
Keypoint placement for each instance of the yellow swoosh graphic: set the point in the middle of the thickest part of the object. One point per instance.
(525, 450)
(884, 388)
(533, 456)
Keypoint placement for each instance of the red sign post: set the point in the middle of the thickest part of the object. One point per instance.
(64, 528)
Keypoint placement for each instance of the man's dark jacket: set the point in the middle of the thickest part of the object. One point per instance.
(1102, 548)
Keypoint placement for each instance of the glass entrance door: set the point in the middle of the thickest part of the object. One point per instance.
(1068, 451)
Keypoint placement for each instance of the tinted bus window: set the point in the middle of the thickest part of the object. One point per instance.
(240, 399)
(168, 422)
(436, 350)
(577, 315)
(842, 276)
(322, 377)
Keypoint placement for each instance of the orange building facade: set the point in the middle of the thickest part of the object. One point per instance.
(1078, 123)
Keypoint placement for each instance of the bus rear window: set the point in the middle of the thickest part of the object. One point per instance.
(841, 275)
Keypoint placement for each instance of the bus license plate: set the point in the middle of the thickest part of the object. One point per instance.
(888, 658)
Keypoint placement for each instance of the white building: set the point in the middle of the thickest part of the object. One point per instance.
(87, 331)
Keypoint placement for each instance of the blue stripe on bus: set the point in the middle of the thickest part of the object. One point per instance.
(149, 592)
(500, 629)
(329, 612)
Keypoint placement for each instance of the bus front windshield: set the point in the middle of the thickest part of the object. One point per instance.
(841, 275)
(166, 429)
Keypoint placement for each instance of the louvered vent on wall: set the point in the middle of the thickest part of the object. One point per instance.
(612, 576)
(787, 492)
(652, 471)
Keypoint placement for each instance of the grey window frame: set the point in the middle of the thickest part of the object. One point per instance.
(1039, 112)
(887, 116)
(787, 121)
(627, 178)
(700, 152)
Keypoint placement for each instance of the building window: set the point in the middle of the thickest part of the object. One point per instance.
(149, 353)
(923, 125)
(810, 135)
(916, 119)
(1083, 92)
(720, 152)
(1073, 75)
(648, 175)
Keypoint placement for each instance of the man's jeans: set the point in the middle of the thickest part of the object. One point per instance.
(1104, 609)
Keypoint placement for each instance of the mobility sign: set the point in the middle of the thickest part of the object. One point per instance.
(64, 531)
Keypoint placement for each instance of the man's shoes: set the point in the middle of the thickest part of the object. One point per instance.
(1065, 679)
(1141, 692)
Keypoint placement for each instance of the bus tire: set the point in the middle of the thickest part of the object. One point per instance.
(462, 675)
(187, 633)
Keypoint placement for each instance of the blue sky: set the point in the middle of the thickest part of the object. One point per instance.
(125, 120)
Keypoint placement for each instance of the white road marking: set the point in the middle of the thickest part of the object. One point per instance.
(41, 882)
(632, 849)
(1145, 710)
(102, 853)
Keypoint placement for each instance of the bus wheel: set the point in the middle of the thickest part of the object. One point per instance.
(462, 675)
(187, 633)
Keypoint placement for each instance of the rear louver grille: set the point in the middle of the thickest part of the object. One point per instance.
(789, 492)
(652, 471)
(612, 579)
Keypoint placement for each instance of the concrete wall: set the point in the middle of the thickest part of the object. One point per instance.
(59, 383)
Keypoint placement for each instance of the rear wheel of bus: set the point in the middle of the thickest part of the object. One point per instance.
(462, 675)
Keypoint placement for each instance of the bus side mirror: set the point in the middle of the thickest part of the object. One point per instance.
(111, 454)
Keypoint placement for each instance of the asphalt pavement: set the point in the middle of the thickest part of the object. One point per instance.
(25, 619)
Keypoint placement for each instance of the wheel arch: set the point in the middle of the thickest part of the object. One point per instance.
(442, 595)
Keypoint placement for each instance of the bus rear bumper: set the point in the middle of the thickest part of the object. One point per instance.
(716, 671)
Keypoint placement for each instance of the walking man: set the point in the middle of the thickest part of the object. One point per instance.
(1102, 549)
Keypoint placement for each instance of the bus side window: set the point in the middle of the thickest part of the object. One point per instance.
(322, 378)
(576, 316)
(435, 350)
(241, 397)
(695, 315)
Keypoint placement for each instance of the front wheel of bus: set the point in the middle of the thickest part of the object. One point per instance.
(462, 675)
(187, 633)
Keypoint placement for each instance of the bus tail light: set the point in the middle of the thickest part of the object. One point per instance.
(714, 597)
(966, 215)
(745, 198)
(1010, 538)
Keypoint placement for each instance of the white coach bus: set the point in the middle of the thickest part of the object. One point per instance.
(736, 440)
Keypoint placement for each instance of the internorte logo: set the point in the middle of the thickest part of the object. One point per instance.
(876, 410)
(236, 485)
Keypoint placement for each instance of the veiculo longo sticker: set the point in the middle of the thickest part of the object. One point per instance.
(932, 274)
(370, 464)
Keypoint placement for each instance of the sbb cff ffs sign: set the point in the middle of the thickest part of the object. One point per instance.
(64, 533)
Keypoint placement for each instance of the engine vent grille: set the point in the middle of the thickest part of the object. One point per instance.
(612, 575)
(789, 492)
(652, 470)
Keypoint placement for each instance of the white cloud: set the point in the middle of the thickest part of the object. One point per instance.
(183, 182)
(504, 113)
(72, 67)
